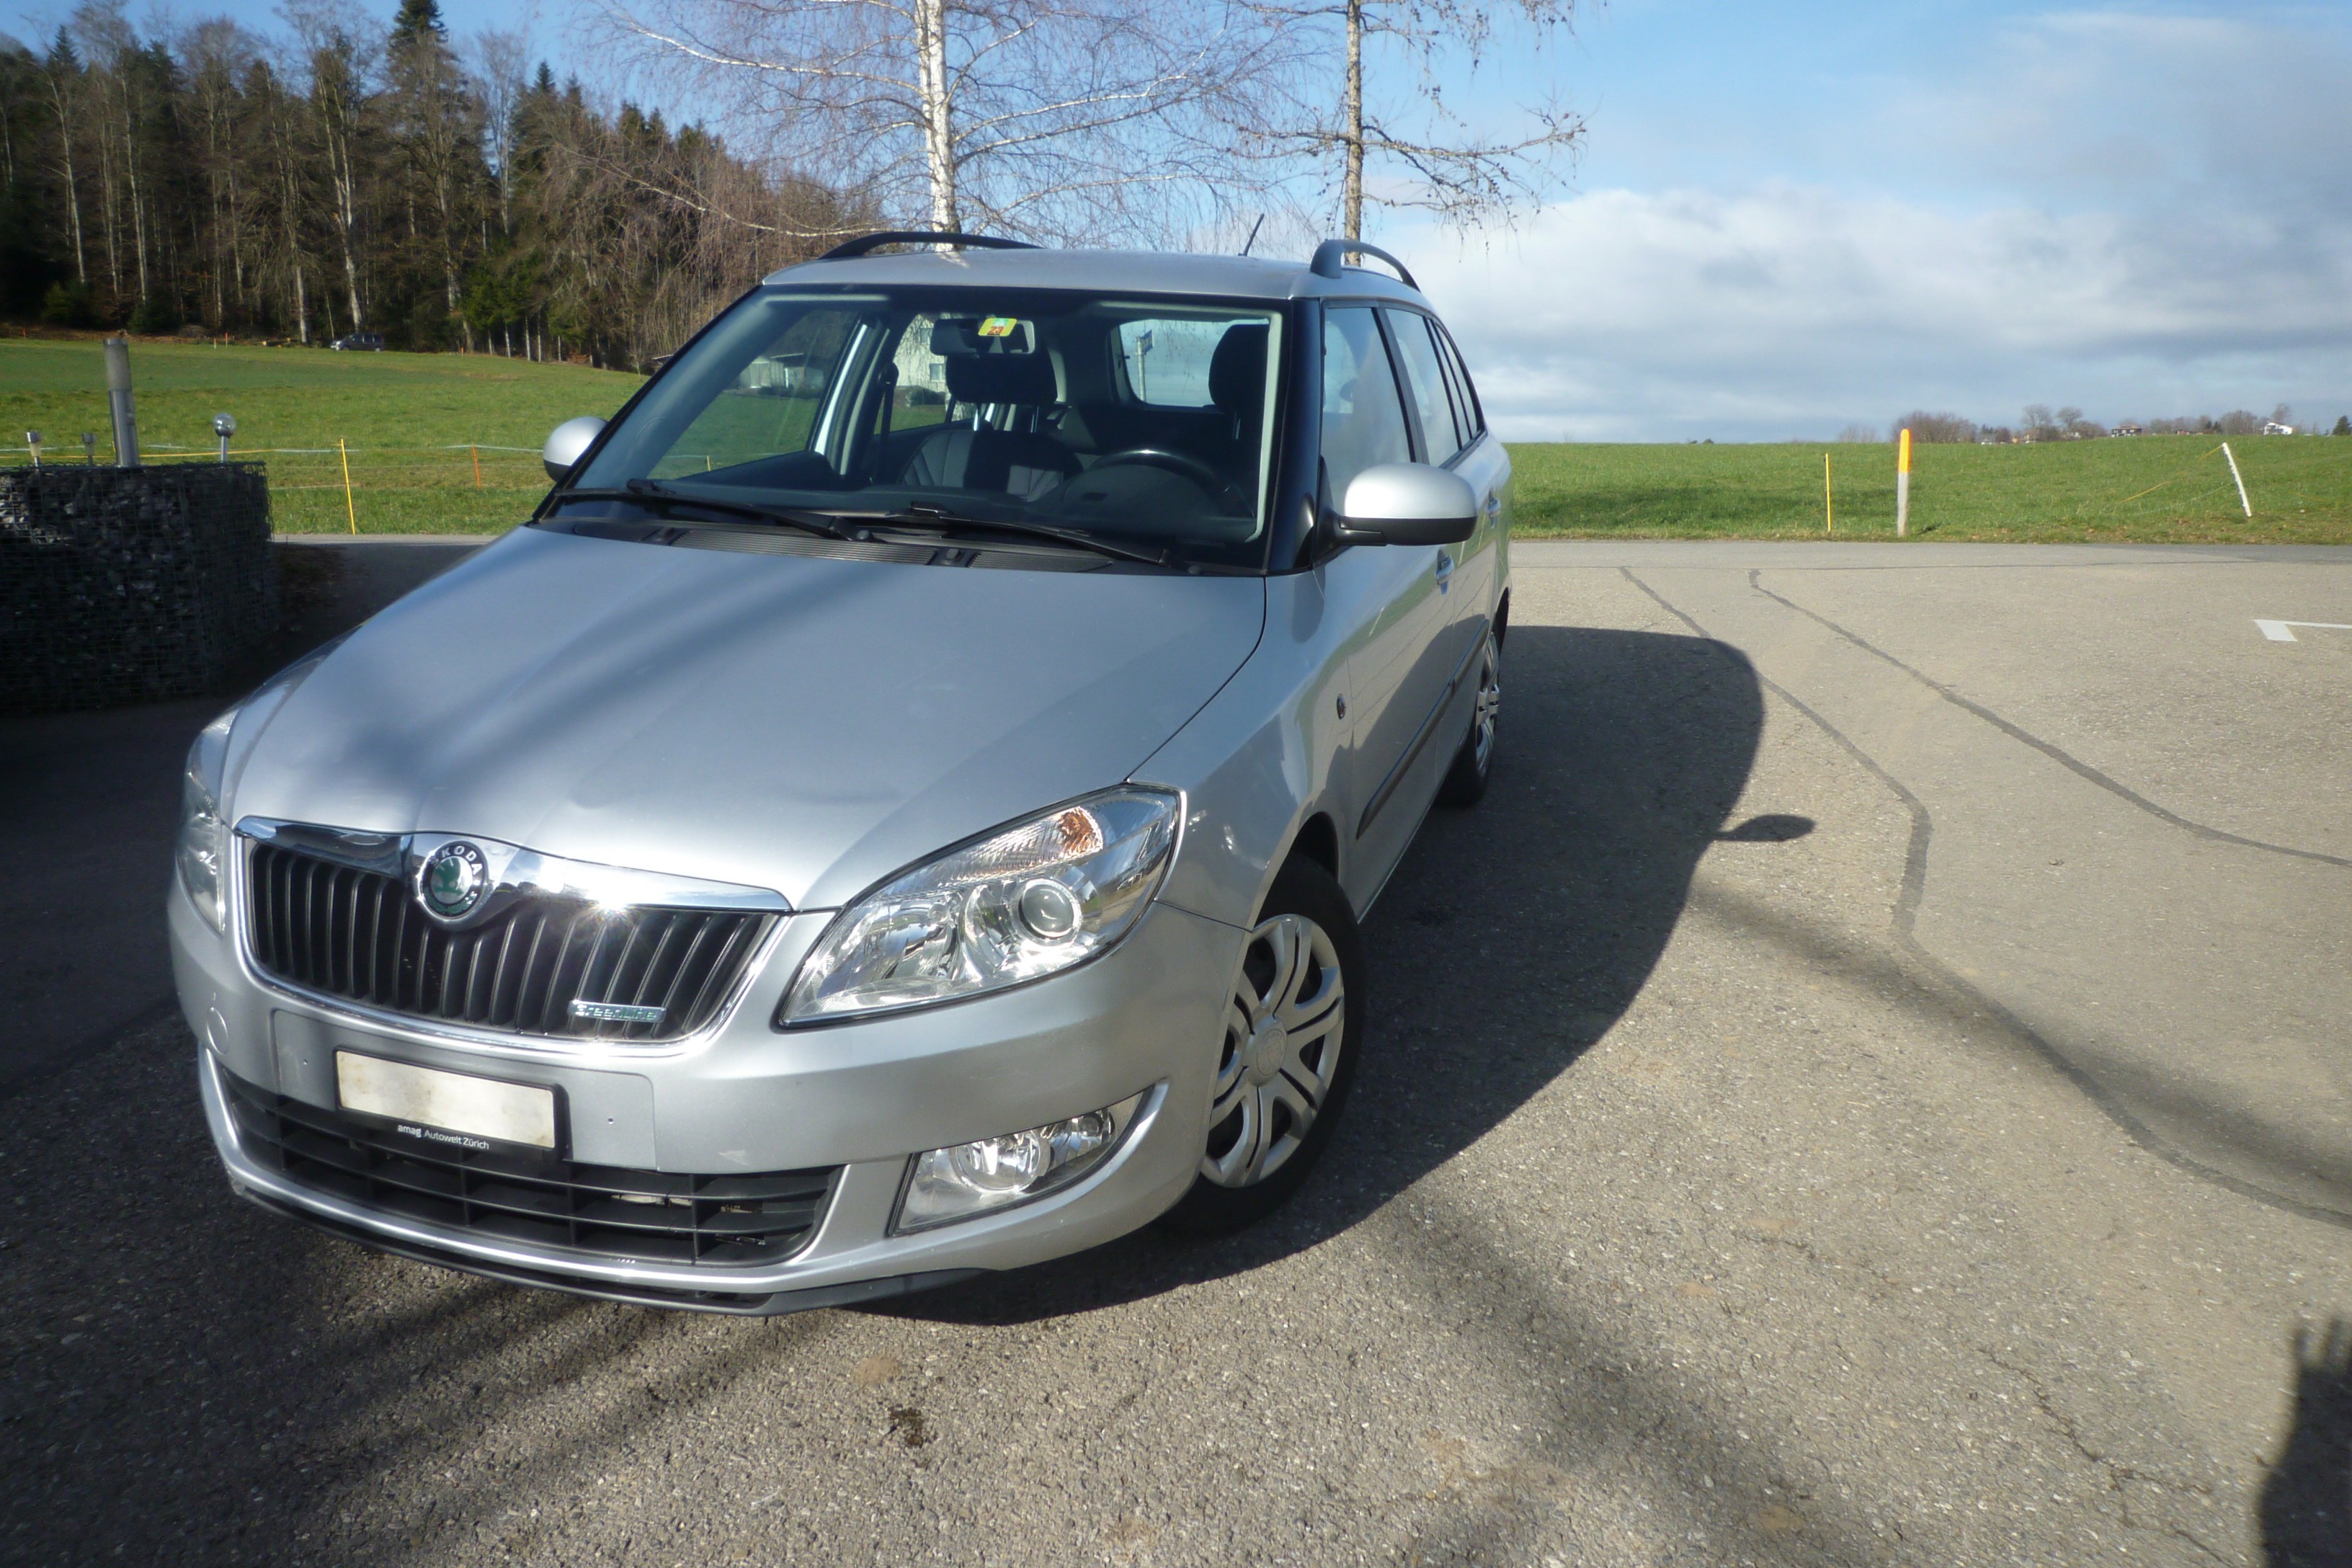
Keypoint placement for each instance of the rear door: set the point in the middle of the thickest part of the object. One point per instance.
(1488, 466)
(1465, 571)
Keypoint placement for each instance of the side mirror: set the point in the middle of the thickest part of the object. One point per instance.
(566, 442)
(1407, 503)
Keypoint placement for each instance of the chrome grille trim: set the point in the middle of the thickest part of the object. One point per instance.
(345, 927)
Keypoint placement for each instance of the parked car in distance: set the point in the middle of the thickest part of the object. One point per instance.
(372, 342)
(900, 808)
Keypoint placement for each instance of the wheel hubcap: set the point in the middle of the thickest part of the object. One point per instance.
(1490, 705)
(1283, 1033)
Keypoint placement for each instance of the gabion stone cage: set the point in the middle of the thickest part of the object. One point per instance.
(120, 586)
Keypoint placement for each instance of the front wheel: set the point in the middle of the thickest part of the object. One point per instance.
(1466, 781)
(1293, 1026)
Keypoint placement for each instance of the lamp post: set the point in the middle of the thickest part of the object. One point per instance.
(224, 426)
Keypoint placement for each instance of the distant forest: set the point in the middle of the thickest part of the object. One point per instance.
(344, 180)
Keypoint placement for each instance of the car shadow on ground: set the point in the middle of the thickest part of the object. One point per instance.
(1511, 939)
(2306, 1507)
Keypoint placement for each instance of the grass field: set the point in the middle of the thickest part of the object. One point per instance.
(2156, 488)
(412, 423)
(418, 425)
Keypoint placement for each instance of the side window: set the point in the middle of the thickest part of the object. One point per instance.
(1473, 422)
(1433, 407)
(1167, 361)
(922, 395)
(772, 405)
(1363, 423)
(1465, 422)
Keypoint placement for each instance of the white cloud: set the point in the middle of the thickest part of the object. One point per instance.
(2138, 214)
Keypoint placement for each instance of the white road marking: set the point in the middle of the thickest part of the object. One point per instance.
(2277, 630)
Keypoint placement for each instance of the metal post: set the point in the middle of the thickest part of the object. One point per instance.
(1902, 485)
(33, 439)
(118, 396)
(89, 448)
(224, 426)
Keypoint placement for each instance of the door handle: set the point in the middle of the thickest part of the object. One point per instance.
(1444, 570)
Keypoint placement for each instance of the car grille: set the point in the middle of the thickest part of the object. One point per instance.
(358, 934)
(604, 1211)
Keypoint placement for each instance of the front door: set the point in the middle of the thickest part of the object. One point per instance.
(1396, 671)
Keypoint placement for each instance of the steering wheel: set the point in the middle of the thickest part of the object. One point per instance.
(1180, 463)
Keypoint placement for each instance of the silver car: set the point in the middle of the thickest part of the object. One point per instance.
(901, 807)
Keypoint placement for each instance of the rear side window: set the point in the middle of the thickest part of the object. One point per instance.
(1363, 423)
(1432, 405)
(1166, 361)
(1466, 396)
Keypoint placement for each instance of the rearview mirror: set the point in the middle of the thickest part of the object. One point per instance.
(566, 442)
(1407, 503)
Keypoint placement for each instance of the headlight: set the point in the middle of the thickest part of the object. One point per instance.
(203, 852)
(1022, 902)
(995, 1173)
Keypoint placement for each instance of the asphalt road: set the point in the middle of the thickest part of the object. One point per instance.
(1871, 1085)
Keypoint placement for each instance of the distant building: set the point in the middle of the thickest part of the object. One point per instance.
(2129, 430)
(2275, 428)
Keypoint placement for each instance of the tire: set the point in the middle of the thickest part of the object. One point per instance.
(1466, 781)
(1258, 1152)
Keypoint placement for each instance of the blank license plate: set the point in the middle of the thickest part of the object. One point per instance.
(446, 1108)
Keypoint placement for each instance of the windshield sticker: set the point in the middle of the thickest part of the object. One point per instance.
(998, 327)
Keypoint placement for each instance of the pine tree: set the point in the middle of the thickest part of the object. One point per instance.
(417, 19)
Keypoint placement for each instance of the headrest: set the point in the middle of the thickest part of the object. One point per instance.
(1237, 370)
(1025, 379)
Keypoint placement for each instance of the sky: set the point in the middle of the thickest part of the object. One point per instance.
(1790, 218)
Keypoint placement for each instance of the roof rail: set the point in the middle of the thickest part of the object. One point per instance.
(1332, 255)
(869, 242)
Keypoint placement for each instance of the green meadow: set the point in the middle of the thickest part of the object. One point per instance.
(448, 444)
(2150, 489)
(414, 426)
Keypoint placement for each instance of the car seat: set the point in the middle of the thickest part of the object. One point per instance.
(1023, 463)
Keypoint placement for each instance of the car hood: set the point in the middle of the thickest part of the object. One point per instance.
(791, 722)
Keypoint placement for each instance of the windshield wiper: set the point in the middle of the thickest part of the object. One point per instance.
(924, 515)
(649, 490)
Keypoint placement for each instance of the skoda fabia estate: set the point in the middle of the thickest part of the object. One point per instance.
(900, 808)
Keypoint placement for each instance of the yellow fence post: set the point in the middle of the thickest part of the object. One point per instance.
(1829, 512)
(1902, 484)
(478, 466)
(350, 511)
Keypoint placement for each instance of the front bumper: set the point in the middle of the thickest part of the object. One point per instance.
(744, 1097)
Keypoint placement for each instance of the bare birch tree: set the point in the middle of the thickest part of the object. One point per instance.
(1436, 160)
(1071, 120)
(499, 60)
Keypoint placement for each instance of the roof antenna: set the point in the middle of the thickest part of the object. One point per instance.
(1253, 239)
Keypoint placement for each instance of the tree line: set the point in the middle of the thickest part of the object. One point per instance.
(2039, 422)
(351, 178)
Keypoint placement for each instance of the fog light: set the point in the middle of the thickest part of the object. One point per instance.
(994, 1173)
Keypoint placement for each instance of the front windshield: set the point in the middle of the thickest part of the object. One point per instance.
(1143, 422)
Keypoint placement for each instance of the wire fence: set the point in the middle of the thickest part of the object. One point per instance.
(470, 487)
